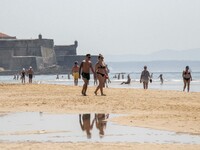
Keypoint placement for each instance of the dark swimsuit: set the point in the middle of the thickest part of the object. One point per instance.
(187, 79)
(101, 74)
(23, 74)
(101, 67)
(30, 76)
(86, 75)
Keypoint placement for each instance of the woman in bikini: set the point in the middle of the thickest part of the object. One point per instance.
(100, 69)
(187, 77)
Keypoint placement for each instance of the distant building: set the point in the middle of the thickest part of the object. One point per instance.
(66, 55)
(62, 50)
(5, 36)
(22, 53)
(39, 53)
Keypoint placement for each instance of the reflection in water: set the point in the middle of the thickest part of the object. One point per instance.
(44, 127)
(85, 124)
(101, 122)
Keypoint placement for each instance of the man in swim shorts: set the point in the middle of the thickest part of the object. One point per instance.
(75, 72)
(30, 74)
(84, 70)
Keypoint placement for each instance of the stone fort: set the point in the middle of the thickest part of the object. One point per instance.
(39, 53)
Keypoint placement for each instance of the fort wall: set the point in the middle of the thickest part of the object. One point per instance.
(48, 56)
(16, 54)
(5, 58)
(41, 54)
(67, 62)
(64, 50)
(19, 62)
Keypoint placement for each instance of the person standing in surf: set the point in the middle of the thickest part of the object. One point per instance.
(145, 77)
(187, 77)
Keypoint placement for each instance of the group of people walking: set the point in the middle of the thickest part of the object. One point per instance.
(100, 72)
(28, 72)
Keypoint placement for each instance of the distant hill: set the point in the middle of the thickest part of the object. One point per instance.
(154, 66)
(191, 55)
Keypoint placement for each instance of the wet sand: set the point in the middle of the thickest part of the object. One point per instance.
(166, 110)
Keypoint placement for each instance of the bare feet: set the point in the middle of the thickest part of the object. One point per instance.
(95, 93)
(84, 94)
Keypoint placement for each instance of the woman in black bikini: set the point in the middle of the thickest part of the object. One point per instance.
(187, 77)
(100, 69)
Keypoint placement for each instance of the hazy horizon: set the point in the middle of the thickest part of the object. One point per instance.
(106, 26)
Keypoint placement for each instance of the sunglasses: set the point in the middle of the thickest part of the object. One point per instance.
(89, 57)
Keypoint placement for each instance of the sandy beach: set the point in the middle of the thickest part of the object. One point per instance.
(165, 110)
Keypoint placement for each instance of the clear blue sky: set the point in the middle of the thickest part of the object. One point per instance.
(106, 26)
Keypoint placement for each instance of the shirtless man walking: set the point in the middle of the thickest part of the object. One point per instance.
(30, 74)
(84, 70)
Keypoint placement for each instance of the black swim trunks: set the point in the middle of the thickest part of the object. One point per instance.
(30, 76)
(86, 75)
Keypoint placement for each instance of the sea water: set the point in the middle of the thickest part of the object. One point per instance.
(171, 71)
(172, 80)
